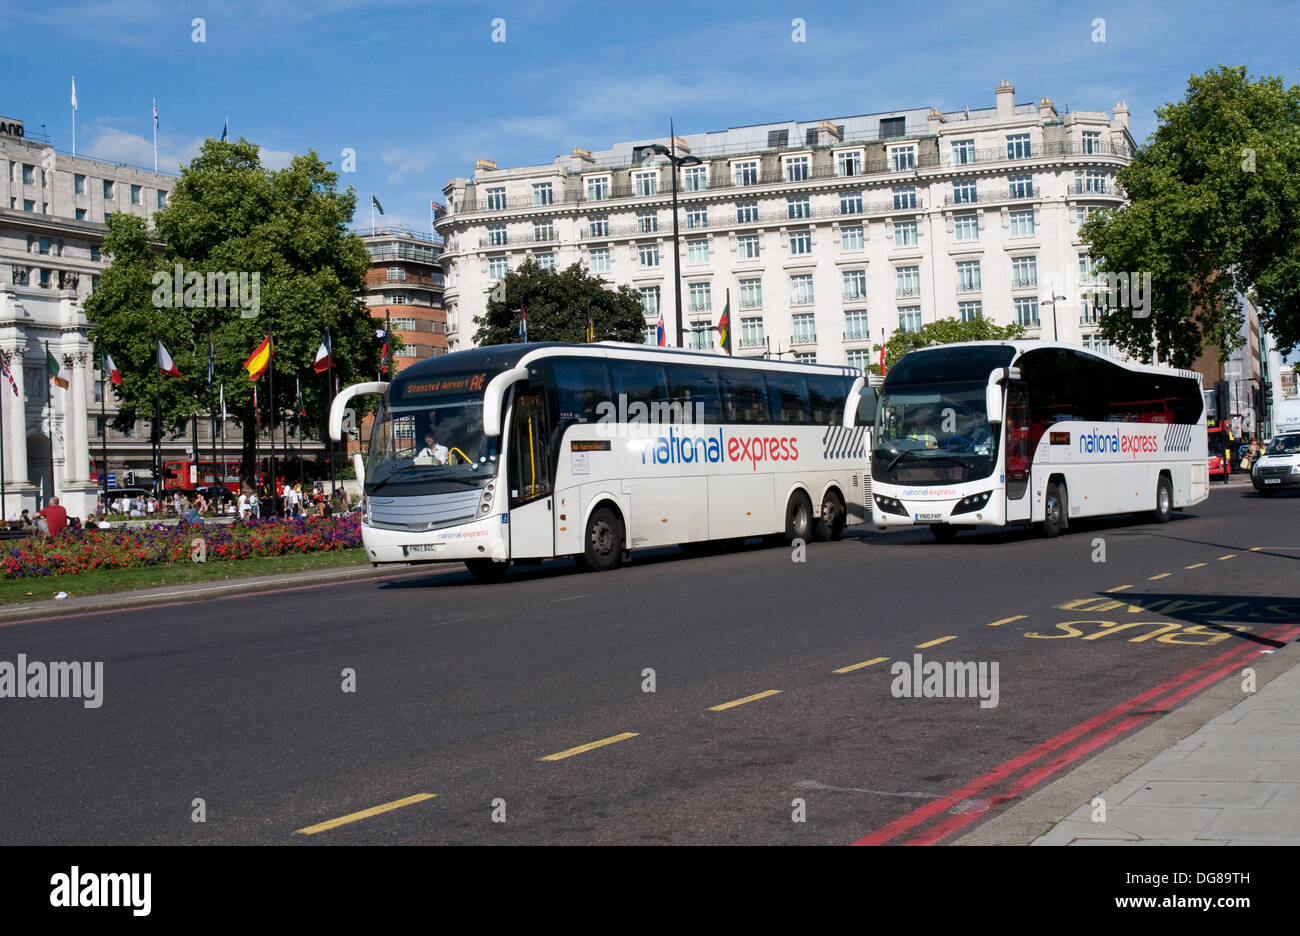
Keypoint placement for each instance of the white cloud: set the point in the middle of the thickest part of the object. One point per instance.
(405, 162)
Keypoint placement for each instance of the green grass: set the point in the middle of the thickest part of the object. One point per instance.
(101, 582)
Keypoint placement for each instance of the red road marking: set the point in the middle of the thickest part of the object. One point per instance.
(917, 816)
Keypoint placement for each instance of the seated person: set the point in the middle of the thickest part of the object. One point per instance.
(433, 450)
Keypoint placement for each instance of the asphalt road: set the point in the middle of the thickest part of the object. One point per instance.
(463, 690)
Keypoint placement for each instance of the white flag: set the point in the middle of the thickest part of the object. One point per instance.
(223, 402)
(74, 92)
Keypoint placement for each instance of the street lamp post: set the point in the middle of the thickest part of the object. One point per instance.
(1056, 336)
(676, 162)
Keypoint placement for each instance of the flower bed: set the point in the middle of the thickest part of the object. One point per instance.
(86, 550)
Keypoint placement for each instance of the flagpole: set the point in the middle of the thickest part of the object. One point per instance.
(329, 392)
(103, 416)
(157, 421)
(4, 503)
(270, 392)
(74, 116)
(155, 169)
(54, 475)
(298, 407)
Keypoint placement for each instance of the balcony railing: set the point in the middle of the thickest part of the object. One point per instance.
(1100, 187)
(752, 342)
(984, 198)
(768, 218)
(1023, 282)
(805, 339)
(907, 292)
(508, 241)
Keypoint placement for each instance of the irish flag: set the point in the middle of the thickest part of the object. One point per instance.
(259, 360)
(165, 362)
(113, 374)
(52, 363)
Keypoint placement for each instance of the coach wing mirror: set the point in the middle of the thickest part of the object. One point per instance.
(494, 398)
(993, 395)
(860, 404)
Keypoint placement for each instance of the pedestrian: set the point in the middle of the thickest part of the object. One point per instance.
(55, 517)
(25, 521)
(151, 505)
(176, 503)
(255, 506)
(200, 504)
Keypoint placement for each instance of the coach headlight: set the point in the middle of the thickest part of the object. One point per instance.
(972, 503)
(365, 509)
(890, 505)
(485, 502)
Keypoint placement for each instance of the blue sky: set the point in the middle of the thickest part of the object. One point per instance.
(419, 89)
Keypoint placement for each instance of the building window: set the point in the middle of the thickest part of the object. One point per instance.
(799, 207)
(498, 267)
(1018, 146)
(909, 280)
(796, 168)
(652, 334)
(600, 260)
(850, 203)
(402, 323)
(108, 190)
(1087, 269)
(697, 217)
(1093, 181)
(78, 184)
(162, 199)
(747, 247)
(701, 336)
(695, 178)
(1091, 142)
(135, 194)
(99, 394)
(849, 163)
(43, 245)
(963, 152)
(543, 193)
(778, 139)
(970, 311)
(598, 188)
(860, 358)
(95, 255)
(496, 235)
(893, 127)
(1022, 223)
(751, 294)
(29, 205)
(905, 234)
(496, 199)
(1022, 186)
(29, 175)
(647, 183)
(395, 274)
(746, 212)
(543, 231)
(744, 173)
(967, 227)
(968, 276)
(905, 198)
(81, 214)
(1027, 311)
(1024, 272)
(800, 243)
(964, 192)
(697, 251)
(805, 357)
(805, 327)
(701, 297)
(751, 332)
(647, 222)
(45, 279)
(1098, 345)
(855, 285)
(649, 255)
(650, 300)
(856, 325)
(1083, 212)
(852, 239)
(902, 158)
(1091, 309)
(801, 289)
(909, 318)
(545, 260)
(599, 227)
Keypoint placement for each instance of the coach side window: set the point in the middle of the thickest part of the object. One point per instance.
(641, 382)
(787, 395)
(744, 396)
(826, 394)
(694, 393)
(581, 385)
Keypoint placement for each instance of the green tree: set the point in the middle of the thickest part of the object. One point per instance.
(285, 231)
(944, 331)
(1213, 213)
(556, 304)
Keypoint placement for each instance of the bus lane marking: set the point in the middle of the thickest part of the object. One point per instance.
(1228, 556)
(1153, 578)
(935, 642)
(364, 814)
(583, 748)
(1016, 617)
(752, 698)
(1196, 565)
(1118, 588)
(858, 666)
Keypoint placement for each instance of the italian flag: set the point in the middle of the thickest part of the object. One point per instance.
(113, 374)
(165, 362)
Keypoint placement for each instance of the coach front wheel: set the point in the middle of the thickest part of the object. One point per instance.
(603, 541)
(798, 518)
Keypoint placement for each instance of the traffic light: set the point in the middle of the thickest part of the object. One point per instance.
(130, 478)
(1221, 402)
(1258, 395)
(1268, 394)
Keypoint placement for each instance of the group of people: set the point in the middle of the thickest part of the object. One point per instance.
(51, 520)
(297, 502)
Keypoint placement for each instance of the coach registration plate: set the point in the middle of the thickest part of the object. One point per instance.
(1272, 480)
(929, 516)
(421, 548)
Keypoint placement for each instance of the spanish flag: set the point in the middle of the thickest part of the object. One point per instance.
(259, 360)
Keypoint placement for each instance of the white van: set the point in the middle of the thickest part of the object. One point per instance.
(1279, 467)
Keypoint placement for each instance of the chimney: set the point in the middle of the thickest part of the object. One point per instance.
(1005, 95)
(679, 147)
(832, 132)
(936, 118)
(1045, 106)
(581, 159)
(1121, 113)
(484, 164)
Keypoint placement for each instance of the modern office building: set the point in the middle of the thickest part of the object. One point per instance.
(404, 285)
(828, 235)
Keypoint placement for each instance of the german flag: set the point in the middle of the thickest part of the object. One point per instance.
(259, 360)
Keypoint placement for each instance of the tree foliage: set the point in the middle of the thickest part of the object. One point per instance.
(944, 331)
(556, 305)
(1213, 213)
(230, 215)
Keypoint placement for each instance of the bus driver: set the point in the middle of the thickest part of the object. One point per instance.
(433, 450)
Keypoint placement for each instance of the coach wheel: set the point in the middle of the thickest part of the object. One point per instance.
(486, 570)
(798, 518)
(1164, 502)
(603, 548)
(943, 532)
(1054, 513)
(831, 523)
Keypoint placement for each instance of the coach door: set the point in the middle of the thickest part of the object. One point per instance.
(532, 511)
(1019, 458)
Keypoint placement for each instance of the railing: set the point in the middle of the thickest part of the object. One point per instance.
(968, 287)
(1024, 282)
(399, 230)
(752, 342)
(984, 198)
(908, 292)
(1097, 188)
(807, 339)
(506, 241)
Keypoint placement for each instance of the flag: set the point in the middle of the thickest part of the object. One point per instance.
(661, 339)
(323, 359)
(212, 361)
(155, 113)
(223, 399)
(226, 131)
(882, 360)
(4, 366)
(113, 374)
(259, 360)
(591, 328)
(375, 201)
(724, 327)
(52, 364)
(523, 324)
(302, 408)
(383, 354)
(74, 92)
(165, 362)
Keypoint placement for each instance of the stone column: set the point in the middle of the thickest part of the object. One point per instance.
(15, 420)
(74, 422)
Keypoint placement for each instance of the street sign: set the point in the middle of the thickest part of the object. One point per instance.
(1236, 425)
(112, 479)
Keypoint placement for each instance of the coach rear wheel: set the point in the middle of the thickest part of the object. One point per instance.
(798, 518)
(831, 523)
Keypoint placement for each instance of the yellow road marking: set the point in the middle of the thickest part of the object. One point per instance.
(748, 698)
(1160, 576)
(1006, 620)
(1258, 548)
(1228, 556)
(582, 748)
(931, 643)
(857, 666)
(1196, 566)
(365, 814)
(1117, 588)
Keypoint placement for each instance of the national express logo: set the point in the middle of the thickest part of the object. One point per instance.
(1118, 443)
(681, 449)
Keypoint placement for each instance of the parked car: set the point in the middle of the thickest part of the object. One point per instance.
(1279, 467)
(1219, 467)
